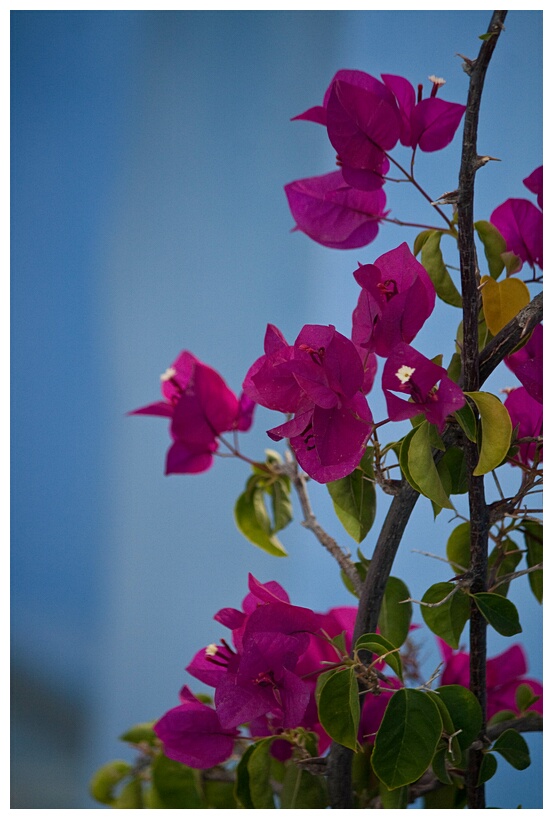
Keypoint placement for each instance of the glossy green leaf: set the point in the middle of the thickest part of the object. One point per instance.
(494, 246)
(432, 260)
(496, 431)
(503, 562)
(242, 782)
(404, 459)
(525, 697)
(259, 770)
(467, 421)
(302, 790)
(464, 711)
(513, 747)
(252, 519)
(173, 785)
(379, 645)
(500, 613)
(458, 548)
(448, 619)
(533, 538)
(395, 617)
(440, 764)
(423, 469)
(454, 368)
(407, 738)
(454, 461)
(339, 710)
(354, 499)
(420, 240)
(281, 504)
(487, 768)
(397, 799)
(105, 780)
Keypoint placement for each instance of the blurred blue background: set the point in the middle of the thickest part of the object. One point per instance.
(149, 152)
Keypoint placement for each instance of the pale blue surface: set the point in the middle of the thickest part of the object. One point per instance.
(149, 155)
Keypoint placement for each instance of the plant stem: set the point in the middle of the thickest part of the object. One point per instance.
(479, 513)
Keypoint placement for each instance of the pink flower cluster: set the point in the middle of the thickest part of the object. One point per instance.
(264, 679)
(525, 404)
(365, 119)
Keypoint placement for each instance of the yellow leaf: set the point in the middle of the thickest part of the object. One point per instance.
(501, 301)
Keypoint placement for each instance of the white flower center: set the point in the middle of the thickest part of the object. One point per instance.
(436, 80)
(404, 373)
(211, 650)
(169, 373)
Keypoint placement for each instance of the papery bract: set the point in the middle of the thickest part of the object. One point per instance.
(410, 373)
(527, 417)
(429, 124)
(527, 364)
(534, 183)
(193, 735)
(334, 214)
(521, 225)
(320, 378)
(396, 298)
(504, 673)
(201, 407)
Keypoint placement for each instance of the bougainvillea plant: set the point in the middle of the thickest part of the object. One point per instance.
(309, 709)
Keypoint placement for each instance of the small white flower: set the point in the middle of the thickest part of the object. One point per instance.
(169, 373)
(211, 650)
(404, 373)
(436, 80)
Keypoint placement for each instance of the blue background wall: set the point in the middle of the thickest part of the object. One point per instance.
(149, 151)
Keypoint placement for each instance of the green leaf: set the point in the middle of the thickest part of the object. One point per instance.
(458, 548)
(533, 538)
(142, 732)
(507, 564)
(252, 519)
(130, 796)
(501, 301)
(354, 499)
(301, 789)
(398, 799)
(404, 459)
(173, 785)
(464, 711)
(525, 697)
(339, 710)
(487, 768)
(513, 263)
(281, 504)
(449, 619)
(105, 780)
(407, 738)
(433, 261)
(379, 645)
(501, 716)
(439, 764)
(219, 794)
(453, 461)
(501, 614)
(454, 368)
(259, 770)
(423, 469)
(494, 246)
(467, 421)
(395, 617)
(496, 431)
(420, 240)
(242, 782)
(512, 747)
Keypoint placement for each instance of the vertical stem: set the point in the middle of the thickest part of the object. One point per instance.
(479, 520)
